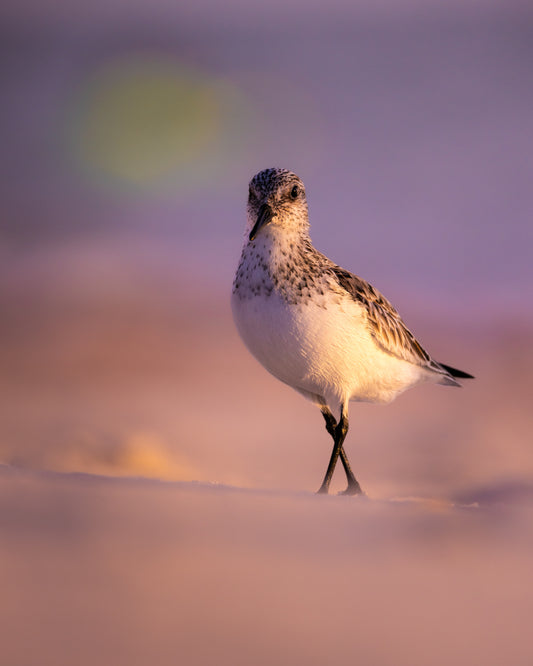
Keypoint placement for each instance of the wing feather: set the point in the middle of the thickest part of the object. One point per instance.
(386, 325)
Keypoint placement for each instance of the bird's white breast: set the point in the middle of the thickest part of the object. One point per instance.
(321, 350)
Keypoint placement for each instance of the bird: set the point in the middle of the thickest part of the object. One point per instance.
(315, 326)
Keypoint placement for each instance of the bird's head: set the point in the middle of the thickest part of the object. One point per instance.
(276, 200)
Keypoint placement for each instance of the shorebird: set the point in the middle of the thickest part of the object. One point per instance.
(315, 326)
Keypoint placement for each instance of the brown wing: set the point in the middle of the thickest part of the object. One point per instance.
(386, 325)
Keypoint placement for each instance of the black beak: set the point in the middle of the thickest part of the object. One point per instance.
(264, 217)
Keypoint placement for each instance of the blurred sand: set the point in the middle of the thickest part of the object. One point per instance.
(138, 572)
(148, 379)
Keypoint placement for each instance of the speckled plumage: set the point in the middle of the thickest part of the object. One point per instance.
(324, 331)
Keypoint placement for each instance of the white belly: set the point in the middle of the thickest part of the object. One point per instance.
(322, 351)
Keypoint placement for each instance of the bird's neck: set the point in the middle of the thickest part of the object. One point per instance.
(276, 263)
(279, 246)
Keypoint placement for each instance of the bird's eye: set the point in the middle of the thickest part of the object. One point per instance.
(294, 192)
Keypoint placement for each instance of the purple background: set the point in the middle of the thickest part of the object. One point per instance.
(411, 124)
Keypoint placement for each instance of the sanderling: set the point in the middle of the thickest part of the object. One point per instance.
(315, 326)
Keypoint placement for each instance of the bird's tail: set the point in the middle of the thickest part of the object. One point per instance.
(456, 373)
(451, 374)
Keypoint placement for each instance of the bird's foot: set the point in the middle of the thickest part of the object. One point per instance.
(323, 490)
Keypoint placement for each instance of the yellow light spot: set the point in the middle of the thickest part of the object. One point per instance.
(142, 121)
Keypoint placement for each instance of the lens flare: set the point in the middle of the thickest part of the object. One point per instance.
(151, 123)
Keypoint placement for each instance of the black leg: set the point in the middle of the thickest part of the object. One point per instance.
(331, 425)
(353, 487)
(338, 433)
